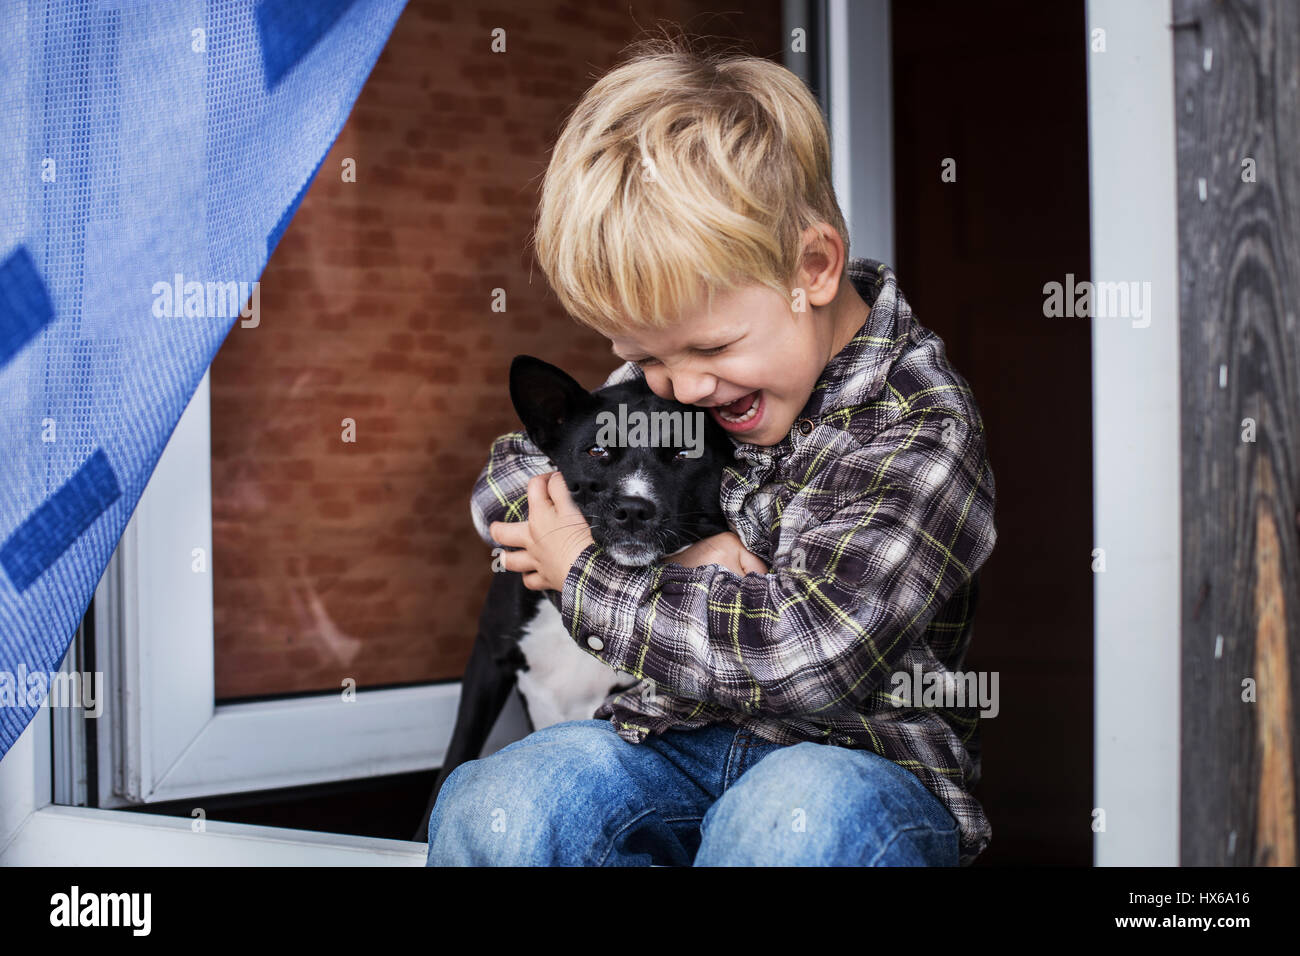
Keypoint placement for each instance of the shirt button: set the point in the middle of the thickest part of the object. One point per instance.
(806, 426)
(595, 643)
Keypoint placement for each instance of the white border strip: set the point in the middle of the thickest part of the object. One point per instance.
(77, 836)
(861, 123)
(1135, 395)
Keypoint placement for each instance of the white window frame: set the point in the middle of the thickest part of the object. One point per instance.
(164, 737)
(34, 831)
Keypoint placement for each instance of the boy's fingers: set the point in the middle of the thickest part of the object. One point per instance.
(537, 493)
(518, 561)
(558, 489)
(510, 534)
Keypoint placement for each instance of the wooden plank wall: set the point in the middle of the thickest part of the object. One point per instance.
(1237, 101)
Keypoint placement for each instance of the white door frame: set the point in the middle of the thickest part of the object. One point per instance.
(1135, 435)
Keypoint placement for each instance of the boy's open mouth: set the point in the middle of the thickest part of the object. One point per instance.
(742, 414)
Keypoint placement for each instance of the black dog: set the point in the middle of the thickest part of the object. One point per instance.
(646, 494)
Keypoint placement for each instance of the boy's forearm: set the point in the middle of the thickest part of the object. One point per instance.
(833, 619)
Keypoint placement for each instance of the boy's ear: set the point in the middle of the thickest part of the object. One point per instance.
(545, 397)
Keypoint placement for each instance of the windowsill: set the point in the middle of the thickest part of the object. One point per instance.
(81, 836)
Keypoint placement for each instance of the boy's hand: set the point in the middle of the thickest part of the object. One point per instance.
(724, 549)
(555, 533)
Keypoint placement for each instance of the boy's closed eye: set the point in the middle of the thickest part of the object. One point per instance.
(651, 360)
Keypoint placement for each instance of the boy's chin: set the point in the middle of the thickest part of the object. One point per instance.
(766, 435)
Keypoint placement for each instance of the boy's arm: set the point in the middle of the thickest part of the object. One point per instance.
(909, 519)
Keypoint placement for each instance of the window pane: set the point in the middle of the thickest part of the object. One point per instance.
(336, 559)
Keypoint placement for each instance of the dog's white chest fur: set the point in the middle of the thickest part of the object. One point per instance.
(563, 682)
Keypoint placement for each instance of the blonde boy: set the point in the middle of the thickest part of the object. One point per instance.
(687, 214)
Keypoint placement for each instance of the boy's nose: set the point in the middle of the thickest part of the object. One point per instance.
(691, 388)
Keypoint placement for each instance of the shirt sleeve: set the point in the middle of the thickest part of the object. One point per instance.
(908, 519)
(501, 492)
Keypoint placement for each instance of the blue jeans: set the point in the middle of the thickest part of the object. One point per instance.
(577, 794)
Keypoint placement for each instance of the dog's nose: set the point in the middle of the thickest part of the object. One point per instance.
(629, 512)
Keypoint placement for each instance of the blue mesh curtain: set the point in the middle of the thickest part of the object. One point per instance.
(142, 145)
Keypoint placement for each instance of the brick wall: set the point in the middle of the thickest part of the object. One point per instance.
(334, 559)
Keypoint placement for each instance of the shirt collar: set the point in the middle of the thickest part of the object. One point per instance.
(856, 374)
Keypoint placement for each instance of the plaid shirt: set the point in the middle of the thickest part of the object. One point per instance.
(873, 525)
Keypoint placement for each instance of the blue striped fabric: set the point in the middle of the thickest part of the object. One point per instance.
(51, 529)
(25, 306)
(289, 30)
(152, 144)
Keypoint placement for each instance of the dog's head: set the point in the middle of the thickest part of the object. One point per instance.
(645, 471)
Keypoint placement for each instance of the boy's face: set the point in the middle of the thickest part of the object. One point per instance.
(764, 348)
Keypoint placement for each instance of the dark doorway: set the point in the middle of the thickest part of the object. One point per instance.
(1001, 89)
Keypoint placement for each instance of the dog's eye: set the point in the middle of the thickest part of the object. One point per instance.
(682, 455)
(595, 451)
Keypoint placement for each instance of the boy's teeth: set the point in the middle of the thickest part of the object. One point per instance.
(737, 419)
(742, 404)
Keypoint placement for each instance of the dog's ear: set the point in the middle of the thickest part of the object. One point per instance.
(545, 397)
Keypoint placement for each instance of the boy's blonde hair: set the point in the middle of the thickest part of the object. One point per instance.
(680, 174)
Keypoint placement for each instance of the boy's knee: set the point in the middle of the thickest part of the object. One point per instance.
(539, 801)
(853, 783)
(813, 804)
